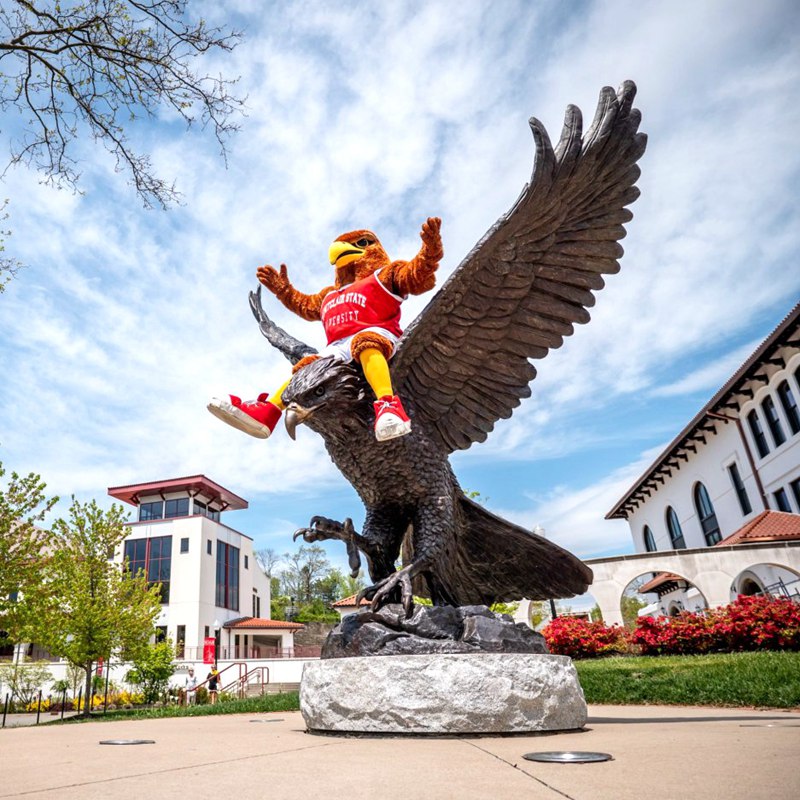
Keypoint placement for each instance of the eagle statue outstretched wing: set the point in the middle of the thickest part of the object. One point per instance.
(464, 363)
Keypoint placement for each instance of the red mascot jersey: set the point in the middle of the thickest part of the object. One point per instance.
(364, 304)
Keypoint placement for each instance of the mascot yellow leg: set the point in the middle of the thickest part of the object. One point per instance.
(376, 371)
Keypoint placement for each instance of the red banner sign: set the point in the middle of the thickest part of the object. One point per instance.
(209, 648)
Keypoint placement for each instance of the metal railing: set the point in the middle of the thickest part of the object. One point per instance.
(244, 682)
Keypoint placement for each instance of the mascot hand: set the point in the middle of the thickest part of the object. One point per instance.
(276, 282)
(431, 239)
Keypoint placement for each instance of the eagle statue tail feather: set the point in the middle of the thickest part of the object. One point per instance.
(497, 561)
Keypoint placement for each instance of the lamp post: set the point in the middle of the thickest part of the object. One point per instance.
(217, 626)
(540, 531)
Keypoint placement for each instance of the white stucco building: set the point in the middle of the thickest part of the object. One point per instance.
(212, 585)
(736, 459)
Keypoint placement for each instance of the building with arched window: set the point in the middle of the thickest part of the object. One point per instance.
(738, 458)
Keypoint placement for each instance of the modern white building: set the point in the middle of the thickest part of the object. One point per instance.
(211, 584)
(736, 459)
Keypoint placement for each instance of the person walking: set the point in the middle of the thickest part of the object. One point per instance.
(191, 687)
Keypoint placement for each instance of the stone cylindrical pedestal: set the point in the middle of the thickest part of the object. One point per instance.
(442, 694)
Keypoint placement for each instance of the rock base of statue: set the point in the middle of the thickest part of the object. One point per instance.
(449, 671)
(440, 629)
(442, 694)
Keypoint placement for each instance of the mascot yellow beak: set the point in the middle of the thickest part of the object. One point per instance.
(342, 253)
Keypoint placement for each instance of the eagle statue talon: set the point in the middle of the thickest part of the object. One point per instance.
(379, 592)
(322, 529)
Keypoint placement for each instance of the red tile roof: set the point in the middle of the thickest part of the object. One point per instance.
(258, 622)
(662, 578)
(349, 601)
(768, 526)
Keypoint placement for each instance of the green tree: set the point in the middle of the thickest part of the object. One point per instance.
(22, 505)
(630, 605)
(152, 668)
(89, 606)
(305, 568)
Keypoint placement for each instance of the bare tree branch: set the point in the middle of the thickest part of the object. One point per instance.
(101, 65)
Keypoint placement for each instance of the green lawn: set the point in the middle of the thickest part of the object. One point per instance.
(765, 679)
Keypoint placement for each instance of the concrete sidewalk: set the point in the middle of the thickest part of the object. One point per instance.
(660, 753)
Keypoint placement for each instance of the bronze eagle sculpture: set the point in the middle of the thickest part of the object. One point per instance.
(463, 364)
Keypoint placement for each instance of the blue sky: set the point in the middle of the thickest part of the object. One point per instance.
(379, 115)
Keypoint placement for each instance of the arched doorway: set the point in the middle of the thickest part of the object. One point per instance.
(773, 579)
(659, 594)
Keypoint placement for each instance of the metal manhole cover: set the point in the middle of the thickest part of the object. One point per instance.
(266, 720)
(128, 741)
(567, 757)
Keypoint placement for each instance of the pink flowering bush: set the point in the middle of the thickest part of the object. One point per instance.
(579, 638)
(749, 623)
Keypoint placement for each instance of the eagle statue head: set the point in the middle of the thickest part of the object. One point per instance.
(356, 255)
(329, 396)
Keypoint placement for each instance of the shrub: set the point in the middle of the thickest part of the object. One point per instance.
(579, 638)
(749, 623)
(24, 679)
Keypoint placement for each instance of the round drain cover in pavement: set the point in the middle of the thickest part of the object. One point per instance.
(568, 757)
(128, 741)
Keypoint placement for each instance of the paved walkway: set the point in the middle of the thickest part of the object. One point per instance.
(660, 753)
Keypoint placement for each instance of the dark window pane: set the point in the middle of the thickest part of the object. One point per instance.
(675, 532)
(185, 545)
(200, 508)
(208, 546)
(795, 487)
(741, 492)
(758, 433)
(148, 511)
(789, 406)
(176, 508)
(649, 540)
(773, 421)
(705, 511)
(246, 563)
(782, 500)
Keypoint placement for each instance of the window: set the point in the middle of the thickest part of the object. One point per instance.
(649, 541)
(185, 545)
(795, 487)
(151, 511)
(256, 605)
(153, 557)
(741, 492)
(176, 508)
(705, 511)
(227, 590)
(161, 633)
(773, 421)
(200, 508)
(246, 563)
(675, 532)
(782, 500)
(206, 632)
(208, 546)
(213, 514)
(758, 433)
(789, 406)
(180, 646)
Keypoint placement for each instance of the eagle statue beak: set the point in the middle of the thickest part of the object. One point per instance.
(342, 253)
(295, 415)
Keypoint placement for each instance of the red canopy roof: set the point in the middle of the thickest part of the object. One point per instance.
(193, 484)
(259, 622)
